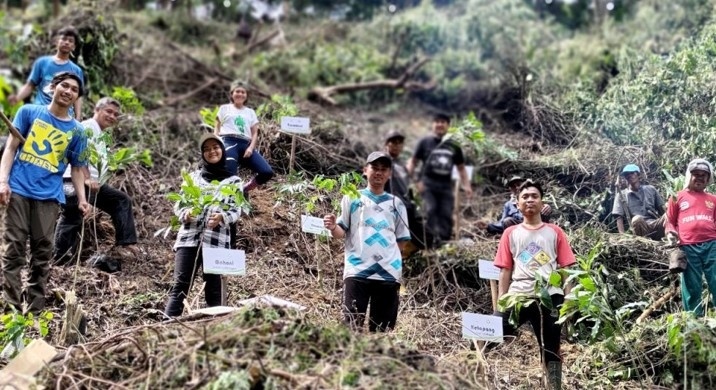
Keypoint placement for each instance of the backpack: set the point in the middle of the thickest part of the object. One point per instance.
(440, 161)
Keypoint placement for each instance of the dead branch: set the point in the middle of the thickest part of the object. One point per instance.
(190, 94)
(199, 63)
(253, 45)
(323, 94)
(659, 303)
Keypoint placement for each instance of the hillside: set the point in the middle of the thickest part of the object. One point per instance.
(565, 101)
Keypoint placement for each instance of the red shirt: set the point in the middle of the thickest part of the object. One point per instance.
(692, 216)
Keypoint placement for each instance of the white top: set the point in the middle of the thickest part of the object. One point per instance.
(95, 145)
(237, 121)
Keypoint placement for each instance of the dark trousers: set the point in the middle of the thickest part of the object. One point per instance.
(35, 219)
(235, 148)
(187, 261)
(439, 202)
(110, 200)
(539, 316)
(383, 298)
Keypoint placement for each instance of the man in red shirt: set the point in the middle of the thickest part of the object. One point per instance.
(526, 250)
(690, 219)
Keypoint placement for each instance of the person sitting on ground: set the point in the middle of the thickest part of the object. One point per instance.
(374, 235)
(238, 127)
(511, 215)
(691, 221)
(644, 206)
(210, 228)
(103, 196)
(31, 188)
(526, 250)
(44, 69)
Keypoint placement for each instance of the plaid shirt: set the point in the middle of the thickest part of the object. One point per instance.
(190, 234)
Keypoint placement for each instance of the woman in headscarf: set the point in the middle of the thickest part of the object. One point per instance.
(210, 227)
(238, 127)
(691, 220)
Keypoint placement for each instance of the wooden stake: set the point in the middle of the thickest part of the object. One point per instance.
(293, 153)
(13, 130)
(224, 291)
(70, 332)
(659, 303)
(493, 292)
(456, 208)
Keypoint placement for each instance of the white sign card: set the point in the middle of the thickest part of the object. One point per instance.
(313, 225)
(224, 261)
(487, 270)
(468, 170)
(481, 327)
(296, 125)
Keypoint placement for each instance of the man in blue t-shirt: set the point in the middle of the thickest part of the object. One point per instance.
(31, 187)
(375, 228)
(45, 68)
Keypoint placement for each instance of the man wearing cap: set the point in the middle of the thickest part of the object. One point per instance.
(691, 220)
(31, 188)
(644, 206)
(375, 233)
(438, 155)
(108, 199)
(511, 214)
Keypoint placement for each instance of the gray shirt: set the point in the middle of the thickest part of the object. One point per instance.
(645, 202)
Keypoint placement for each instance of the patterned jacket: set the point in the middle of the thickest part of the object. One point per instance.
(195, 232)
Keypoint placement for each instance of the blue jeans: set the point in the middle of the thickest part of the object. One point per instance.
(235, 148)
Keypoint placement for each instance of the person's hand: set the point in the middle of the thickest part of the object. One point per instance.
(187, 217)
(672, 238)
(214, 220)
(5, 193)
(329, 222)
(482, 224)
(92, 184)
(249, 151)
(420, 186)
(546, 210)
(84, 207)
(12, 99)
(468, 191)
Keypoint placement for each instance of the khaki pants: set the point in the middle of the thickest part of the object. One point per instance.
(650, 228)
(34, 219)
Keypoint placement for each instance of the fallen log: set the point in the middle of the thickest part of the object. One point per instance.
(658, 303)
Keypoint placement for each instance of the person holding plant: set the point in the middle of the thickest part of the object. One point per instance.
(44, 69)
(528, 251)
(207, 227)
(238, 127)
(690, 220)
(103, 196)
(31, 188)
(374, 229)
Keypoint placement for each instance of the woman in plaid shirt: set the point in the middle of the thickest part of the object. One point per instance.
(209, 228)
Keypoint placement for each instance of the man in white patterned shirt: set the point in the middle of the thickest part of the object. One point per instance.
(375, 230)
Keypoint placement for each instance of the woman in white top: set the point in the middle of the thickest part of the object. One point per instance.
(238, 127)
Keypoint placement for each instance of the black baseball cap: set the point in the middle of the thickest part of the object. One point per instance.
(377, 157)
(393, 134)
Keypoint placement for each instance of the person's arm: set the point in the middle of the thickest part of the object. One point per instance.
(620, 224)
(78, 181)
(217, 126)
(254, 140)
(78, 109)
(503, 284)
(23, 93)
(466, 185)
(410, 167)
(329, 222)
(672, 218)
(89, 182)
(504, 261)
(618, 212)
(6, 162)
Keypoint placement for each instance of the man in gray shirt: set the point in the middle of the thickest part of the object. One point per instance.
(644, 206)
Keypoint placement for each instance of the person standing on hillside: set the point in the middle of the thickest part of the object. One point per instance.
(45, 68)
(238, 127)
(438, 155)
(31, 187)
(526, 250)
(511, 214)
(375, 234)
(644, 206)
(210, 228)
(691, 220)
(399, 185)
(103, 196)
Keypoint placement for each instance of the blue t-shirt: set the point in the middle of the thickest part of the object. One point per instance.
(51, 144)
(43, 70)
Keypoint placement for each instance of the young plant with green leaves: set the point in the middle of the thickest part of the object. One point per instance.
(108, 162)
(278, 107)
(482, 148)
(15, 326)
(128, 99)
(208, 116)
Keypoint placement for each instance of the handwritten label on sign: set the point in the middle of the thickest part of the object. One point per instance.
(481, 327)
(468, 169)
(313, 225)
(487, 270)
(224, 261)
(295, 125)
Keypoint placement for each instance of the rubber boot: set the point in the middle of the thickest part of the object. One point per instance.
(554, 375)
